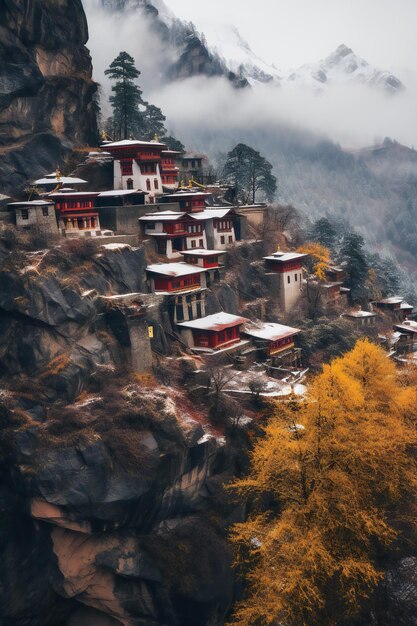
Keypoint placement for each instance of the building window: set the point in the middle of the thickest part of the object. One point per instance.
(230, 239)
(155, 183)
(296, 278)
(288, 279)
(148, 184)
(129, 183)
(127, 167)
(24, 214)
(45, 211)
(151, 226)
(193, 244)
(222, 239)
(201, 243)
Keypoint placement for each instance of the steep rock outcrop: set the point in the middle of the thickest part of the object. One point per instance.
(120, 514)
(46, 89)
(52, 321)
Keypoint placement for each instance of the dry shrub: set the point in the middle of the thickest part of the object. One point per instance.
(145, 380)
(9, 238)
(82, 248)
(56, 366)
(127, 451)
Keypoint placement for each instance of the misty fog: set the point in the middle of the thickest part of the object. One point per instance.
(200, 108)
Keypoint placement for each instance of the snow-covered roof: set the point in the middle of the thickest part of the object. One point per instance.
(202, 252)
(392, 300)
(270, 331)
(331, 285)
(31, 203)
(187, 192)
(162, 216)
(131, 143)
(284, 257)
(116, 246)
(210, 214)
(74, 194)
(173, 269)
(407, 326)
(216, 322)
(359, 314)
(405, 305)
(120, 192)
(51, 179)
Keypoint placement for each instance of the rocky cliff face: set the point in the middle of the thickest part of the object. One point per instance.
(113, 510)
(115, 520)
(112, 506)
(46, 88)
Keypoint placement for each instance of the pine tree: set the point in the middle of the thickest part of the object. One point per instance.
(127, 96)
(324, 233)
(323, 486)
(174, 144)
(152, 122)
(352, 251)
(249, 172)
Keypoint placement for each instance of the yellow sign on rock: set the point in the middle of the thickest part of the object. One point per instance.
(150, 331)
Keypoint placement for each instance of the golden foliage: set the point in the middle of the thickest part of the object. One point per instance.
(332, 468)
(319, 258)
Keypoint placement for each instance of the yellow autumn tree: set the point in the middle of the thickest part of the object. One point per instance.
(319, 258)
(323, 485)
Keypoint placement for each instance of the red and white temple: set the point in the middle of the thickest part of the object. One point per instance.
(270, 338)
(207, 259)
(174, 232)
(169, 169)
(190, 200)
(171, 278)
(76, 212)
(288, 267)
(214, 332)
(138, 165)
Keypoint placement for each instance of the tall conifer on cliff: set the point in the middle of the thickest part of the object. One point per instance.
(127, 96)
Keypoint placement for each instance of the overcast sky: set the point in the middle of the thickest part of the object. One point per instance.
(292, 32)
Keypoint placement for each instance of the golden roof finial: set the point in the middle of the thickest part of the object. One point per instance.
(156, 138)
(190, 184)
(58, 173)
(104, 135)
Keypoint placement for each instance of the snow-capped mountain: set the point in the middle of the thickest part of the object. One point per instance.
(220, 50)
(343, 66)
(226, 41)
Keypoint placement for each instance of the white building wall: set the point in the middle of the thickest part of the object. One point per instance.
(139, 180)
(290, 289)
(193, 241)
(159, 227)
(171, 254)
(217, 237)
